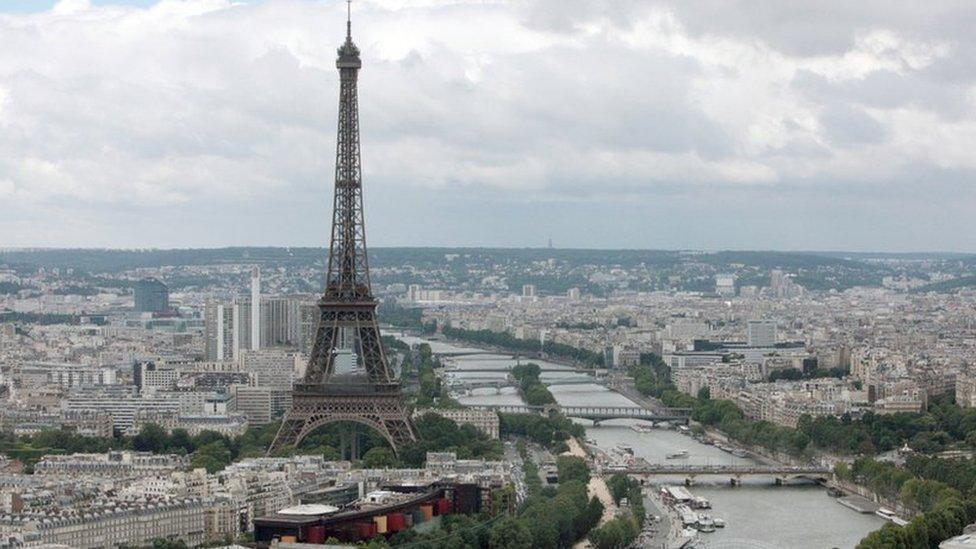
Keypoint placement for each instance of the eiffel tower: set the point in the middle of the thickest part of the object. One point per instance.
(372, 396)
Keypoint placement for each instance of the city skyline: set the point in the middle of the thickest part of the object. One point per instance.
(631, 364)
(707, 131)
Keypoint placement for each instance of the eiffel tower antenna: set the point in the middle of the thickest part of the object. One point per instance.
(347, 309)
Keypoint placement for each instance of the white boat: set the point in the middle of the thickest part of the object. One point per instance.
(890, 515)
(677, 455)
(625, 448)
(699, 502)
(705, 524)
(641, 428)
(719, 523)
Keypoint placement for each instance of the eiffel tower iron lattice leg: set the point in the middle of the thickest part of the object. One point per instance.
(387, 415)
(347, 306)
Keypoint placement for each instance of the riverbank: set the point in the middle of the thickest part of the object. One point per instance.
(597, 486)
(669, 528)
(800, 516)
(795, 515)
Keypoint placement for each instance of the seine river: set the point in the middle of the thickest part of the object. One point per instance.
(757, 513)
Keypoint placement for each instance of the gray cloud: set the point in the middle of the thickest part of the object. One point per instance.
(602, 123)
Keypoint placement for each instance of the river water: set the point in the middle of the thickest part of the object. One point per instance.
(757, 513)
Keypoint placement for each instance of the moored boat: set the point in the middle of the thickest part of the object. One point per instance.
(699, 502)
(625, 448)
(705, 523)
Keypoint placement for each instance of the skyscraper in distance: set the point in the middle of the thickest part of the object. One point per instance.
(255, 309)
(151, 296)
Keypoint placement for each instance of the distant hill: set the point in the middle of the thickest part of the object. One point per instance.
(948, 285)
(108, 260)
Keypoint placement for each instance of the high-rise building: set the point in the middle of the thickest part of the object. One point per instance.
(229, 327)
(151, 296)
(528, 290)
(762, 333)
(573, 294)
(777, 282)
(218, 329)
(280, 322)
(255, 310)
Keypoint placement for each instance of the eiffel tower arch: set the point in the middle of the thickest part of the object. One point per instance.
(369, 395)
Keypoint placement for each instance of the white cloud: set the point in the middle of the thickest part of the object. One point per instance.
(192, 103)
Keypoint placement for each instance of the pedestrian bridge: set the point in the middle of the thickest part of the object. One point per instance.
(596, 413)
(690, 470)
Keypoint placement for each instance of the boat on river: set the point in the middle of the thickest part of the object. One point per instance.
(699, 502)
(890, 515)
(719, 523)
(677, 455)
(705, 524)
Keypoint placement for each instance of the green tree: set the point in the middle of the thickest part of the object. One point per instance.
(572, 468)
(510, 533)
(213, 456)
(379, 458)
(615, 534)
(151, 438)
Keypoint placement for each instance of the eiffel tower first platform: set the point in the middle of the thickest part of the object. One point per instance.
(347, 308)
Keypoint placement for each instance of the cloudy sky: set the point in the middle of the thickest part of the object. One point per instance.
(612, 124)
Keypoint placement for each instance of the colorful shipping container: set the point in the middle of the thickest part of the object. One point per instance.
(315, 534)
(443, 507)
(395, 522)
(365, 530)
(380, 522)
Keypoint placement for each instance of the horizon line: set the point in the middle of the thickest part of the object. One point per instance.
(21, 249)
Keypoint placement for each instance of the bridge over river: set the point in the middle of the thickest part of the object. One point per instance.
(498, 384)
(813, 472)
(598, 372)
(595, 413)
